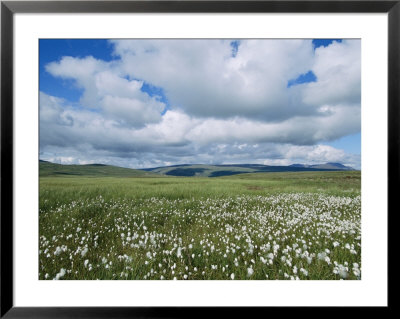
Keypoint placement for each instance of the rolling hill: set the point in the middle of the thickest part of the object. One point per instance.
(233, 169)
(184, 170)
(95, 170)
(330, 166)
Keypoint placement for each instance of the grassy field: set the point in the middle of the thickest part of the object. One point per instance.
(47, 169)
(300, 225)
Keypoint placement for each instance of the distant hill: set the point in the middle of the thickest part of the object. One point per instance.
(51, 169)
(330, 166)
(232, 169)
(94, 170)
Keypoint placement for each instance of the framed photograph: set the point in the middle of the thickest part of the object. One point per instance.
(162, 155)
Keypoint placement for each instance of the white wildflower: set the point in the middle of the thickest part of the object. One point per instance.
(84, 252)
(58, 251)
(321, 256)
(60, 274)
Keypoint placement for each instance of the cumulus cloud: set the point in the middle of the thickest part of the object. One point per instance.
(338, 69)
(205, 80)
(178, 138)
(222, 107)
(105, 89)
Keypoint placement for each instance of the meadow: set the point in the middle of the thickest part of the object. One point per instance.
(295, 225)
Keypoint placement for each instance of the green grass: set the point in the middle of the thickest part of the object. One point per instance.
(65, 189)
(47, 169)
(239, 216)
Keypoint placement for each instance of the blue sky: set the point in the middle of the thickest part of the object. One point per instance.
(54, 49)
(184, 87)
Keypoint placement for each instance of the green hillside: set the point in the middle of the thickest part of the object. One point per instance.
(226, 170)
(90, 170)
(201, 170)
(186, 170)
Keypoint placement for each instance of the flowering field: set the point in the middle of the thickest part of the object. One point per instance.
(265, 226)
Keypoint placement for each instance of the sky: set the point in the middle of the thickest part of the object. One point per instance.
(148, 103)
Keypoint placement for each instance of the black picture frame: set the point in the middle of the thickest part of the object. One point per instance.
(9, 8)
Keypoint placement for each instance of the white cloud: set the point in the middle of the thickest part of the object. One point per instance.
(222, 108)
(176, 139)
(133, 112)
(106, 90)
(338, 69)
(203, 79)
